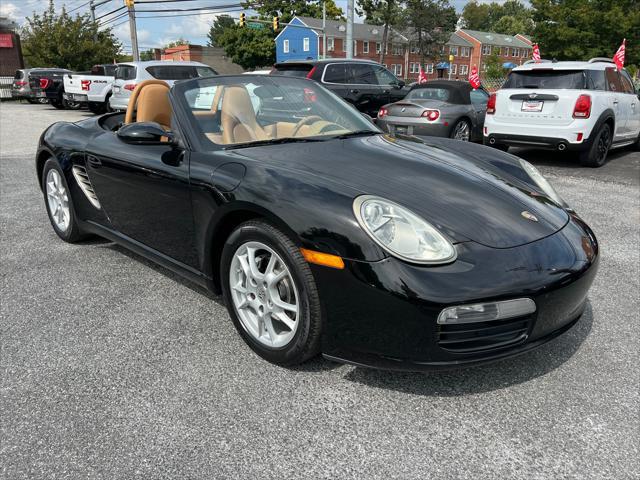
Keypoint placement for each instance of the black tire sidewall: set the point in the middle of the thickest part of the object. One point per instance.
(305, 343)
(590, 157)
(72, 234)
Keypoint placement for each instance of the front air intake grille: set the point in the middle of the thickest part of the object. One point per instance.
(473, 337)
(82, 178)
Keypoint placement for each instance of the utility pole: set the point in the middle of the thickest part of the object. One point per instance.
(92, 9)
(324, 29)
(350, 8)
(132, 27)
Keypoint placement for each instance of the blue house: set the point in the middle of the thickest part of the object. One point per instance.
(297, 43)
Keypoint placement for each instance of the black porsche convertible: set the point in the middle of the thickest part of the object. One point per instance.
(323, 233)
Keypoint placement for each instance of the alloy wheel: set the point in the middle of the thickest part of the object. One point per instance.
(58, 200)
(462, 132)
(264, 294)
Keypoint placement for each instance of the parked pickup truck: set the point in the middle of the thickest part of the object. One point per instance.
(92, 88)
(48, 84)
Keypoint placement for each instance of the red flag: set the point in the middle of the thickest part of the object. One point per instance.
(536, 53)
(422, 77)
(474, 78)
(618, 58)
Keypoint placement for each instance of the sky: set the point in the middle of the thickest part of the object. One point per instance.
(152, 32)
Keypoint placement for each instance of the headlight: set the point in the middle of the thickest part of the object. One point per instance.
(402, 233)
(542, 182)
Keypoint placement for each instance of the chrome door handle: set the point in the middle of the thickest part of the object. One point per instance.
(355, 91)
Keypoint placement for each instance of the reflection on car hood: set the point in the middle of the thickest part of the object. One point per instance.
(467, 198)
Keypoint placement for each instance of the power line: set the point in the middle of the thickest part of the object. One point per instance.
(111, 12)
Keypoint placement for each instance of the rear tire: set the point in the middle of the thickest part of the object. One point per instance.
(596, 155)
(59, 204)
(254, 298)
(97, 108)
(461, 131)
(56, 103)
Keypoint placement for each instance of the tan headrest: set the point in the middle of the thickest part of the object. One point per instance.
(163, 112)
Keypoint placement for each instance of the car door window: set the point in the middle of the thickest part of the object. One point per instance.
(627, 85)
(614, 82)
(478, 98)
(361, 74)
(335, 73)
(384, 76)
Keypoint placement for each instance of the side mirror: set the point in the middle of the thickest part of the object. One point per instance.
(145, 133)
(400, 84)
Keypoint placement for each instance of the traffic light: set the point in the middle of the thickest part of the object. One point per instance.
(128, 3)
(243, 19)
(276, 23)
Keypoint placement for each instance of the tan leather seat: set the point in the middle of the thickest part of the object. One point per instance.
(149, 102)
(238, 118)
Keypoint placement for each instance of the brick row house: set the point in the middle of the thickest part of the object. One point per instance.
(303, 41)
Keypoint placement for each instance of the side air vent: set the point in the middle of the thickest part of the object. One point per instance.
(82, 178)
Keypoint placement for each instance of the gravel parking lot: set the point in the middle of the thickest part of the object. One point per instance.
(115, 368)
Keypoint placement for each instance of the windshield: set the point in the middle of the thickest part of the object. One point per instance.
(429, 94)
(549, 79)
(241, 110)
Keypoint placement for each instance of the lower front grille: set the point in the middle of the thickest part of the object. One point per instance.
(474, 337)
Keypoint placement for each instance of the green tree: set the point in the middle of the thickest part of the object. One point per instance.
(287, 9)
(582, 29)
(494, 66)
(248, 47)
(175, 43)
(147, 55)
(387, 13)
(510, 17)
(220, 24)
(50, 40)
(432, 21)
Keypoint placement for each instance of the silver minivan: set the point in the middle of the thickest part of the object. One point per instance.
(129, 74)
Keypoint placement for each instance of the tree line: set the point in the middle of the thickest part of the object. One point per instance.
(564, 29)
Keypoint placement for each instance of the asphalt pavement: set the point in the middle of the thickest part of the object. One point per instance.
(112, 367)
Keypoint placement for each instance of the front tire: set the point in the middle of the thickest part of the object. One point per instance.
(596, 155)
(59, 203)
(271, 294)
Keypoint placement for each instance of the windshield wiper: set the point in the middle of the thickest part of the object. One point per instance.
(273, 141)
(357, 133)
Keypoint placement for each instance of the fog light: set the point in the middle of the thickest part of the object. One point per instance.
(486, 312)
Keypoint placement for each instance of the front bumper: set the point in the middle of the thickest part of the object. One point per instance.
(384, 314)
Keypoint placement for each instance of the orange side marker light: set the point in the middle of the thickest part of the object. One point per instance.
(324, 259)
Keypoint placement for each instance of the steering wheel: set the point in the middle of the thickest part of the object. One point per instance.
(305, 121)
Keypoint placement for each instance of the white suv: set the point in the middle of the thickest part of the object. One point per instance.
(129, 74)
(588, 107)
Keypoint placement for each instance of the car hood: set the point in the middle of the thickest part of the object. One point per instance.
(465, 197)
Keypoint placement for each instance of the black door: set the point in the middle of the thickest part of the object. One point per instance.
(392, 86)
(144, 190)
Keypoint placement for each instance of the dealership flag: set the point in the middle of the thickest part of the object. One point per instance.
(536, 53)
(618, 58)
(474, 79)
(422, 77)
